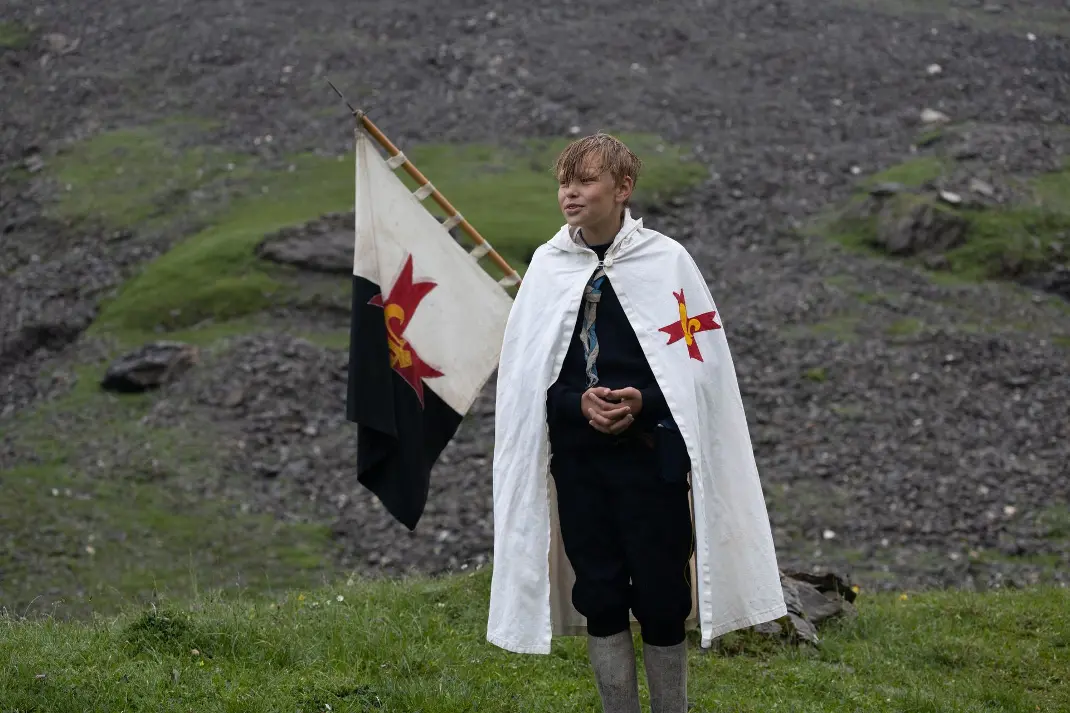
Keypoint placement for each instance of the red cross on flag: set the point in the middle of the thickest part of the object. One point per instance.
(426, 333)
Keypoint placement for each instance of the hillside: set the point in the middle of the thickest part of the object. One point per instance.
(909, 398)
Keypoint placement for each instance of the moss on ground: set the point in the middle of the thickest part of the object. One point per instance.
(1012, 242)
(913, 173)
(144, 177)
(333, 339)
(14, 36)
(843, 327)
(77, 544)
(133, 177)
(905, 327)
(1001, 243)
(130, 524)
(1054, 522)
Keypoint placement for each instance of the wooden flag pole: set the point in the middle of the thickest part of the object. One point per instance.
(511, 275)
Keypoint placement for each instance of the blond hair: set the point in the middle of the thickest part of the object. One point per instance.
(610, 153)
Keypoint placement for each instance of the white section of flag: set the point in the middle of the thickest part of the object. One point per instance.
(458, 326)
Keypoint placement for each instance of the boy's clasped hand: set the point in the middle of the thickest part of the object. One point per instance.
(611, 411)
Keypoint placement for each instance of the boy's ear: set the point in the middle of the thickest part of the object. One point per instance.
(624, 189)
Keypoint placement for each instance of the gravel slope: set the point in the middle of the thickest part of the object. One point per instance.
(909, 453)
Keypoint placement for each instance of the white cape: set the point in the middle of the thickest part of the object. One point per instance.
(736, 581)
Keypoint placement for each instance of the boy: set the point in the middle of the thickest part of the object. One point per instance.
(616, 403)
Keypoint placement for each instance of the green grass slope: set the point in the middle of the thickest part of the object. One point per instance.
(146, 176)
(110, 512)
(1001, 243)
(14, 36)
(419, 645)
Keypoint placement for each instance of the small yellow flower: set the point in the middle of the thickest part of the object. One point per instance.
(856, 589)
(903, 597)
(300, 597)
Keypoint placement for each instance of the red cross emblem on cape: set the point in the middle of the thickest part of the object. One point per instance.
(687, 326)
(398, 309)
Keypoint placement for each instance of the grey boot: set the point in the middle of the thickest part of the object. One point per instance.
(613, 662)
(666, 677)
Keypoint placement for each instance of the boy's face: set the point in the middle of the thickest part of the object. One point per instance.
(592, 197)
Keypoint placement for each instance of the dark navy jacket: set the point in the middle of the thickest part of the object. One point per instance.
(621, 362)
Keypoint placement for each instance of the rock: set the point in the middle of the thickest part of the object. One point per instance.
(1055, 280)
(932, 116)
(34, 163)
(937, 262)
(234, 397)
(883, 190)
(59, 44)
(950, 197)
(51, 332)
(266, 470)
(330, 251)
(51, 278)
(149, 367)
(965, 152)
(769, 628)
(1012, 264)
(811, 601)
(934, 69)
(323, 245)
(825, 583)
(982, 188)
(911, 225)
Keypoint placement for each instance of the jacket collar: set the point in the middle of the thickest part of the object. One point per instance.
(566, 238)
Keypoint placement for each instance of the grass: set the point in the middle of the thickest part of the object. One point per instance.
(143, 177)
(1055, 522)
(79, 544)
(506, 192)
(915, 172)
(88, 535)
(842, 328)
(905, 327)
(418, 645)
(14, 36)
(1001, 243)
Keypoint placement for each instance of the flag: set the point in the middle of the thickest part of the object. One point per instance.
(425, 336)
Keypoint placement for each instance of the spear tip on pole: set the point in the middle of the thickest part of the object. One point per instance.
(356, 112)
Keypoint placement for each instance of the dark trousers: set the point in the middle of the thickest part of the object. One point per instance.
(629, 538)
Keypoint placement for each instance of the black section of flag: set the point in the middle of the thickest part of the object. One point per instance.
(398, 439)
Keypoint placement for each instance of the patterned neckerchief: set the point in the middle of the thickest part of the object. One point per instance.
(592, 293)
